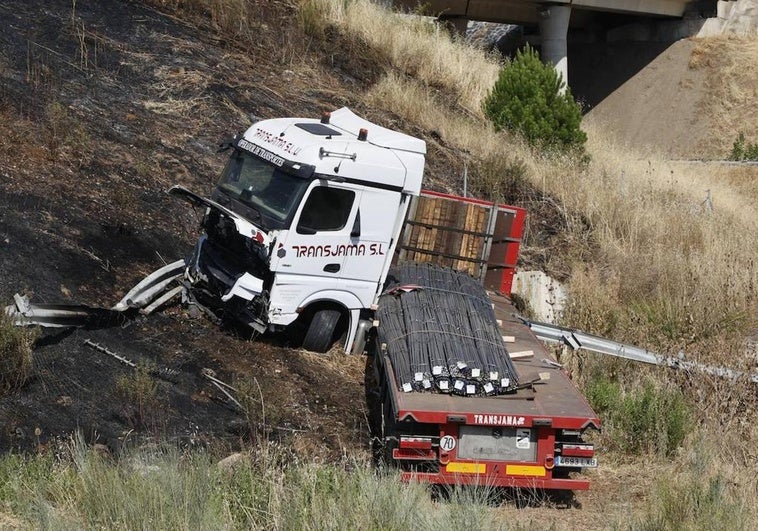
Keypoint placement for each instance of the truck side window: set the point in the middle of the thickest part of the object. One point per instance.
(325, 209)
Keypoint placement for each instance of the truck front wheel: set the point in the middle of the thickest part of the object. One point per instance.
(320, 334)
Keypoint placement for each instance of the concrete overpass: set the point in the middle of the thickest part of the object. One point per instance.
(554, 18)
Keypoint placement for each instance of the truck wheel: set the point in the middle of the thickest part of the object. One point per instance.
(319, 337)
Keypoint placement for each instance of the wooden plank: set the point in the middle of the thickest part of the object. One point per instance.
(521, 354)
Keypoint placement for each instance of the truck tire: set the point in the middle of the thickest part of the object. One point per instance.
(320, 334)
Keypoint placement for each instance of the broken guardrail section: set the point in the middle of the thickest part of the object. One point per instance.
(576, 339)
(148, 295)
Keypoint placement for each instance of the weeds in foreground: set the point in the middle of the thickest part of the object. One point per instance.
(704, 494)
(168, 488)
(171, 489)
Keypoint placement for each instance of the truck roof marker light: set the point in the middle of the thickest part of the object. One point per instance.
(362, 134)
(325, 117)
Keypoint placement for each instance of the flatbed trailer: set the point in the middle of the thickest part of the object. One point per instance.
(527, 434)
(531, 438)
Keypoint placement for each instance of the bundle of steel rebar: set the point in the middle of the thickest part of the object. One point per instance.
(439, 330)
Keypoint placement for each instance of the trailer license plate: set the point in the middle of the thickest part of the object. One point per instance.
(580, 462)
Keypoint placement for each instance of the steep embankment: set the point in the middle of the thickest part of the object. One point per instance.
(692, 101)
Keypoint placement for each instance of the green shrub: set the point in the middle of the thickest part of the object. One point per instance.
(138, 393)
(742, 150)
(15, 354)
(532, 99)
(643, 420)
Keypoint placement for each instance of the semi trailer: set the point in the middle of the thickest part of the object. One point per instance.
(303, 228)
(319, 228)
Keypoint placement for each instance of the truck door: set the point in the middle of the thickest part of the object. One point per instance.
(319, 239)
(372, 232)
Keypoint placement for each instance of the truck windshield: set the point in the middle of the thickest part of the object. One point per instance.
(269, 191)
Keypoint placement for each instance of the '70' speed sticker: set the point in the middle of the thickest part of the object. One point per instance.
(447, 443)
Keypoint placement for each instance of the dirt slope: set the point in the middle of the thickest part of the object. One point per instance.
(690, 102)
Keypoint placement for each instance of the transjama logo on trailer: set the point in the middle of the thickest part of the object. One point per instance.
(499, 420)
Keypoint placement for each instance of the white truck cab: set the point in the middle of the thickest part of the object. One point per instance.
(304, 222)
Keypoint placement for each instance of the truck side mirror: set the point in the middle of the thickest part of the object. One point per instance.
(356, 232)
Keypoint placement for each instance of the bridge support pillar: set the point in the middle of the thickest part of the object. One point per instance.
(554, 22)
(458, 24)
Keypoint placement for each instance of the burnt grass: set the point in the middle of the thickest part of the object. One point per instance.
(104, 106)
(102, 109)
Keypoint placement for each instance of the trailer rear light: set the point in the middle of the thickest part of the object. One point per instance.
(577, 450)
(418, 443)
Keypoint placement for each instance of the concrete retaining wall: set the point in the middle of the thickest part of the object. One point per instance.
(736, 17)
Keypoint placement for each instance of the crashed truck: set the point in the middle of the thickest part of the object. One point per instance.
(319, 228)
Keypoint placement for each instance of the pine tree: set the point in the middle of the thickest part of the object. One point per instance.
(529, 98)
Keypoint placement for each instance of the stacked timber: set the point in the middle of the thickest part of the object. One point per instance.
(448, 233)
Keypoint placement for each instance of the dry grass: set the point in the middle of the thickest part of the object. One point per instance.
(732, 87)
(673, 268)
(414, 46)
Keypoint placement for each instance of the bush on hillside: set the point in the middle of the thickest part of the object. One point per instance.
(742, 150)
(642, 420)
(532, 99)
(15, 354)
